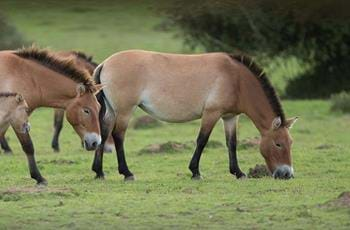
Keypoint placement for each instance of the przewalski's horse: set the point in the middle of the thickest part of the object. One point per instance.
(45, 80)
(14, 112)
(180, 88)
(85, 62)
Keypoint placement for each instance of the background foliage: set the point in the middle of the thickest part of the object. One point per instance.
(316, 32)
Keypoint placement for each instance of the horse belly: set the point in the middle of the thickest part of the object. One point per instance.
(171, 109)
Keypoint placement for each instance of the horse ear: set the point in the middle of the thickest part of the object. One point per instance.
(276, 123)
(290, 122)
(80, 90)
(98, 88)
(19, 98)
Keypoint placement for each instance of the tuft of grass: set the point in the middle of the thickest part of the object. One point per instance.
(341, 102)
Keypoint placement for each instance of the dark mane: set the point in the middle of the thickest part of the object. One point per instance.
(265, 83)
(85, 57)
(7, 94)
(65, 67)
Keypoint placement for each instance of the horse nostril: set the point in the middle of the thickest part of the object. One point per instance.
(94, 144)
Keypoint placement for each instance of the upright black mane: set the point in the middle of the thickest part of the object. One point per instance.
(265, 84)
(65, 67)
(85, 57)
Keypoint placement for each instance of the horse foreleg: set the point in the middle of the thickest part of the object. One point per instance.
(208, 122)
(28, 148)
(118, 135)
(230, 125)
(58, 124)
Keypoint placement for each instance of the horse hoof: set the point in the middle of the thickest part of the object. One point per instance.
(129, 178)
(197, 177)
(99, 177)
(56, 150)
(42, 184)
(241, 176)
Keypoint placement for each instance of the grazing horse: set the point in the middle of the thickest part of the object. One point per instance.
(14, 112)
(46, 80)
(86, 63)
(181, 88)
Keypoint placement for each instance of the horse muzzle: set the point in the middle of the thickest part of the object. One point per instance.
(285, 172)
(91, 141)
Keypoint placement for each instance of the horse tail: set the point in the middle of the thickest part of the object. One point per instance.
(106, 107)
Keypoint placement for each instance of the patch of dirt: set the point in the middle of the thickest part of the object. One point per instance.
(146, 122)
(259, 171)
(325, 146)
(342, 201)
(249, 143)
(214, 144)
(166, 147)
(58, 162)
(14, 194)
(36, 189)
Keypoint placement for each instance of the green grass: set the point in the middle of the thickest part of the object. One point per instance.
(163, 196)
(96, 27)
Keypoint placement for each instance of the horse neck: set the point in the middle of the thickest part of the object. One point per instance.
(5, 111)
(254, 103)
(55, 90)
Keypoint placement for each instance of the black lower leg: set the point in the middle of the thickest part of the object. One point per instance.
(97, 165)
(231, 143)
(119, 146)
(28, 148)
(202, 140)
(4, 144)
(58, 124)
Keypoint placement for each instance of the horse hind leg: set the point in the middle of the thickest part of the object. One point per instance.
(4, 144)
(230, 125)
(106, 125)
(58, 124)
(118, 135)
(208, 122)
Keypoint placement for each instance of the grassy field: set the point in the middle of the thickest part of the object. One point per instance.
(163, 196)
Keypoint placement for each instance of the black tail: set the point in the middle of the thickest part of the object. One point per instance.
(101, 97)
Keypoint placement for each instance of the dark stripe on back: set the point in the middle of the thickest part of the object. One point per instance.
(265, 84)
(7, 94)
(65, 67)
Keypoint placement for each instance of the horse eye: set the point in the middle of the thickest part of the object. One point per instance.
(86, 111)
(278, 145)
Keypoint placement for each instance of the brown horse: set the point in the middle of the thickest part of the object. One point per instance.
(84, 62)
(180, 88)
(46, 80)
(14, 112)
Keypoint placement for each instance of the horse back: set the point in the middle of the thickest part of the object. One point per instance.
(174, 87)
